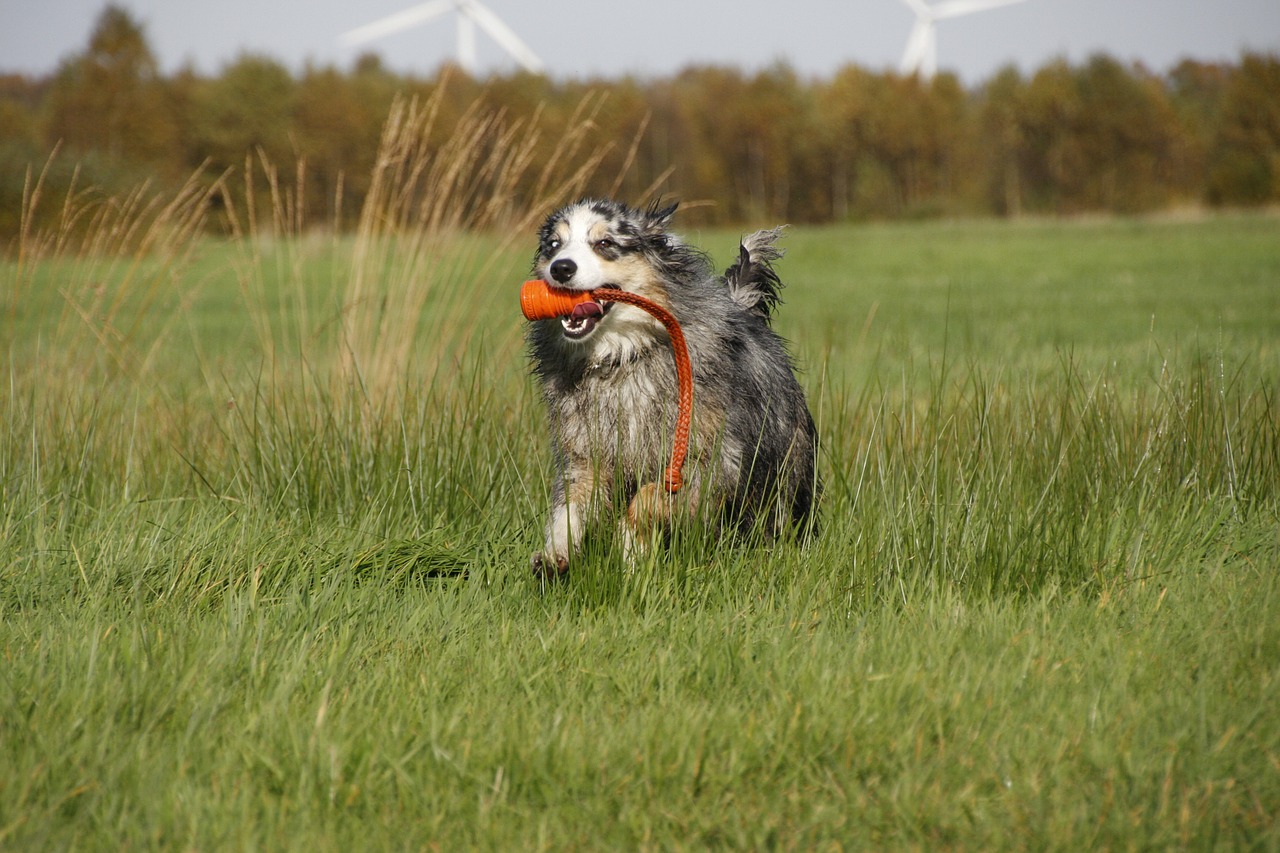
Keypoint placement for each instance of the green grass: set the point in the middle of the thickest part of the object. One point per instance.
(264, 583)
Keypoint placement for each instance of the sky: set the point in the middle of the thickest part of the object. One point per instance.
(583, 39)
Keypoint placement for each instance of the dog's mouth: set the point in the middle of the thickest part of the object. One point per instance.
(585, 317)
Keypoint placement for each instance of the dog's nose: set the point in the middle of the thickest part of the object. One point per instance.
(563, 270)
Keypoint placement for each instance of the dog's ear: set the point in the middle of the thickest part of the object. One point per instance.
(657, 217)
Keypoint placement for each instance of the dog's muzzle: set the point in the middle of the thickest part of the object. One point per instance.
(582, 322)
(584, 318)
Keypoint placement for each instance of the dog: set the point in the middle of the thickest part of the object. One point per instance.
(607, 377)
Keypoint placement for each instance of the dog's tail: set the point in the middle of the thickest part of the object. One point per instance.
(751, 280)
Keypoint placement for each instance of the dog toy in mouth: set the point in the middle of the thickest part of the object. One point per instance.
(541, 301)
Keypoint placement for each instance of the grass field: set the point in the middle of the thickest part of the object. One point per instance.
(267, 508)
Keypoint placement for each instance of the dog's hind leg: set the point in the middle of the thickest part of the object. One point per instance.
(651, 509)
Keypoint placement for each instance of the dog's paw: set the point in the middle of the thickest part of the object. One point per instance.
(549, 566)
(650, 507)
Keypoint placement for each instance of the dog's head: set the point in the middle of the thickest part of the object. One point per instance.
(594, 244)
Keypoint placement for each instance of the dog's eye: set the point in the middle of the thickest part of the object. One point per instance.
(605, 245)
(552, 245)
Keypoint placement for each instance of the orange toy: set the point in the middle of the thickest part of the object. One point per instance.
(540, 301)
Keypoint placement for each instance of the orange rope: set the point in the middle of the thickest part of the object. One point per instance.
(541, 301)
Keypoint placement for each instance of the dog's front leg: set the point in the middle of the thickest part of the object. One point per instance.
(572, 505)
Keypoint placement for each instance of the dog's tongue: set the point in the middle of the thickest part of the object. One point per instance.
(584, 310)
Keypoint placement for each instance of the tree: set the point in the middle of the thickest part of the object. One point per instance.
(1246, 151)
(111, 98)
(914, 131)
(696, 102)
(843, 103)
(247, 111)
(1196, 93)
(1127, 136)
(1049, 115)
(337, 122)
(1002, 130)
(19, 102)
(773, 143)
(19, 146)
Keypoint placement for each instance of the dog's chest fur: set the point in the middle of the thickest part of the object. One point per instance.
(620, 415)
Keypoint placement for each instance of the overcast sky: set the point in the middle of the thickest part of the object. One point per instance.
(588, 38)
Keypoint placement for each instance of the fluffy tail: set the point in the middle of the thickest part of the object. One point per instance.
(751, 280)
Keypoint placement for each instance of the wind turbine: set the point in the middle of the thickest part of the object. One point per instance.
(921, 55)
(471, 14)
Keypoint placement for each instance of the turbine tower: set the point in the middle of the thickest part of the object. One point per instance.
(921, 54)
(471, 14)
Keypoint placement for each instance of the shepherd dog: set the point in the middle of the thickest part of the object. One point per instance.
(607, 377)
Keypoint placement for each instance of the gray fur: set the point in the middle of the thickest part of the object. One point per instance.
(612, 407)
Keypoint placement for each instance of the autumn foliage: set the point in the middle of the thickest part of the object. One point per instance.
(766, 146)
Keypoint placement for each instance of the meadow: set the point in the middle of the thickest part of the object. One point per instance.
(268, 502)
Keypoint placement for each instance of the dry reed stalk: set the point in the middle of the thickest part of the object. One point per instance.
(418, 267)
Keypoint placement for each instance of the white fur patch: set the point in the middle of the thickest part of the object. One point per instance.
(564, 530)
(578, 234)
(626, 332)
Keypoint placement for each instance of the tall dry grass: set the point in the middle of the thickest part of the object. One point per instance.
(111, 262)
(414, 246)
(240, 360)
(416, 255)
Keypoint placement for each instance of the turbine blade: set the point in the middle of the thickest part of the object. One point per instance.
(917, 46)
(503, 35)
(391, 24)
(467, 56)
(953, 8)
(929, 63)
(919, 7)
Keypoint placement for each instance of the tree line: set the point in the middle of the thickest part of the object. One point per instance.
(735, 146)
